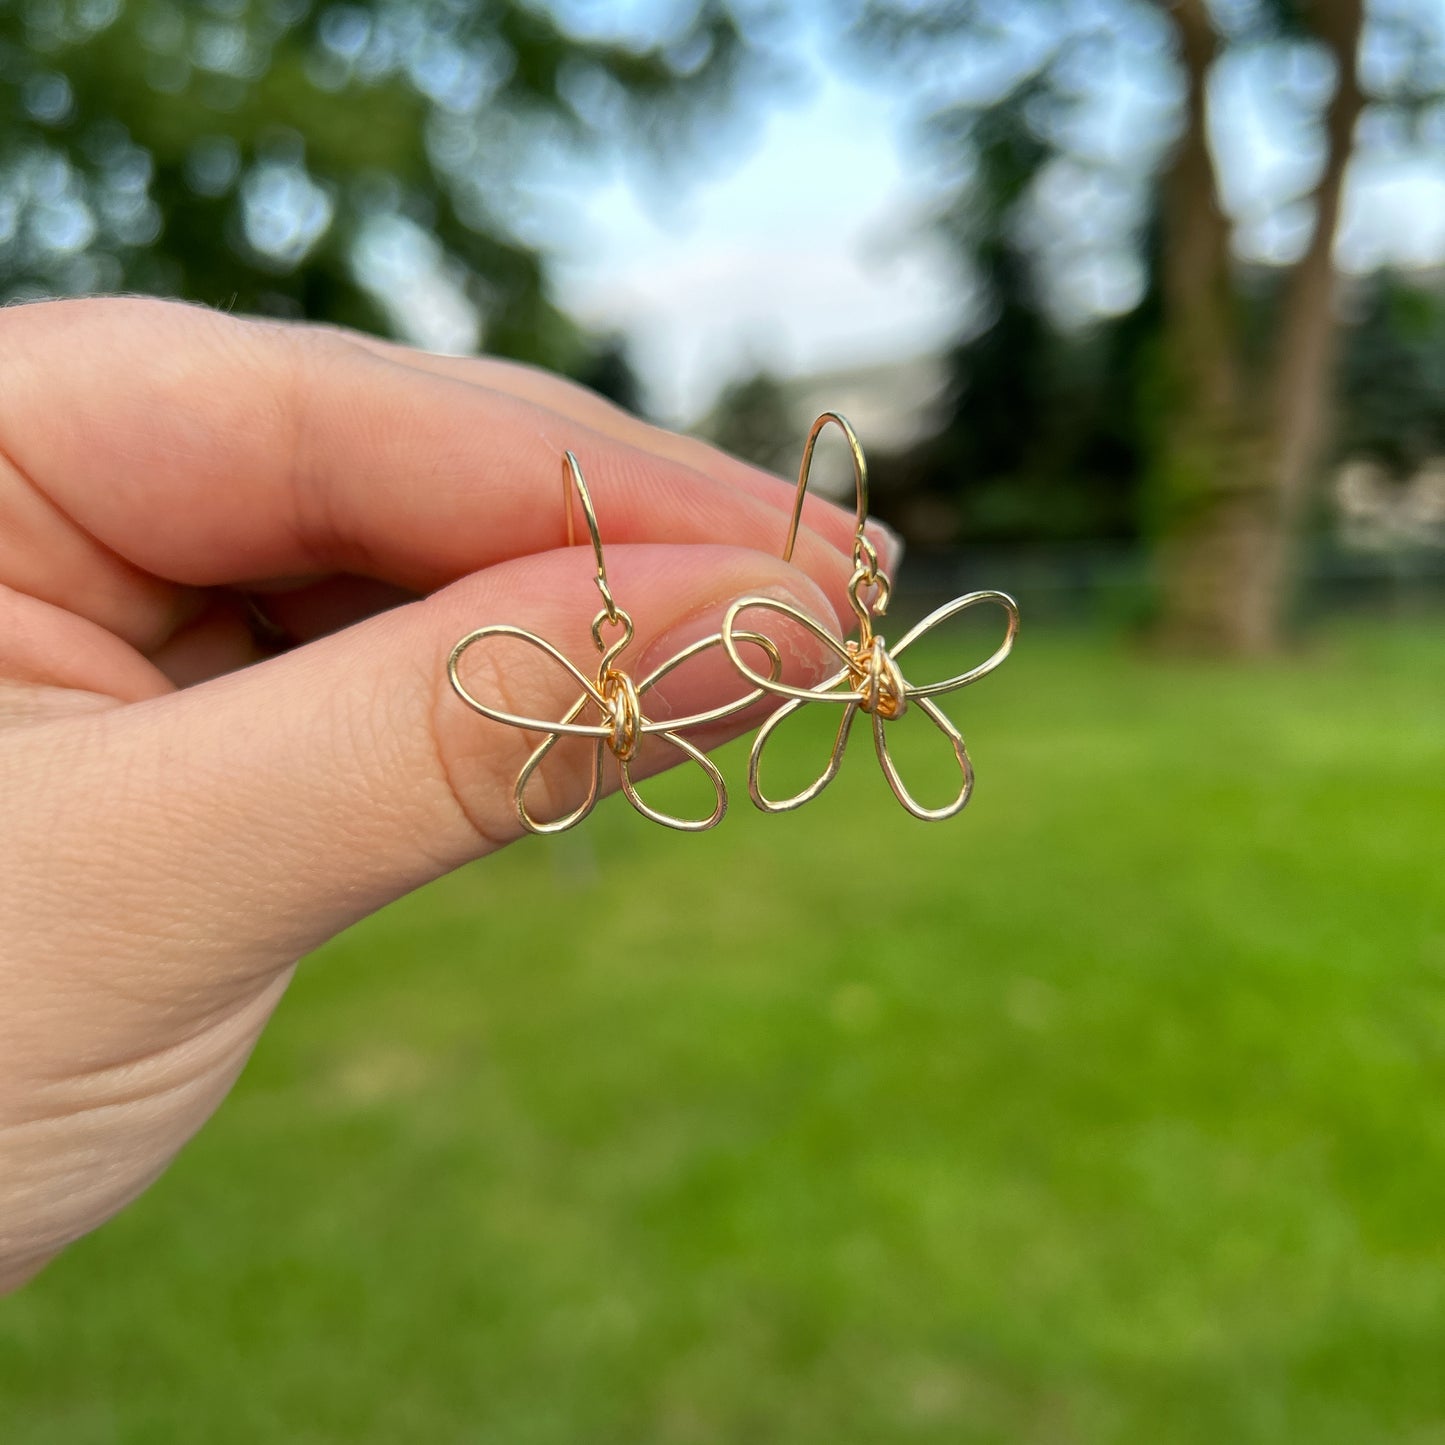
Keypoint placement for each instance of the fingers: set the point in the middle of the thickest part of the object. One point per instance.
(276, 805)
(164, 863)
(49, 657)
(579, 404)
(237, 629)
(201, 450)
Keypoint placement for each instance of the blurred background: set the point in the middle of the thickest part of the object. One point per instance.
(1114, 1111)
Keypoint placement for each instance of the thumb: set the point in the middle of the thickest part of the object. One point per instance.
(268, 809)
(166, 862)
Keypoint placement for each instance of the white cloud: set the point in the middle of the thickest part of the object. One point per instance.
(807, 256)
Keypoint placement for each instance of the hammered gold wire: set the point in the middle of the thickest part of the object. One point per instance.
(871, 680)
(613, 693)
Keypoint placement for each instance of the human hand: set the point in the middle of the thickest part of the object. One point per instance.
(183, 818)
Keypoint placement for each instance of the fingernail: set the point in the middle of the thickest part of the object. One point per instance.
(888, 544)
(710, 679)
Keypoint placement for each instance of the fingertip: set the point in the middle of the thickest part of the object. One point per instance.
(889, 545)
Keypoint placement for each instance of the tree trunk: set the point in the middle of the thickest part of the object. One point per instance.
(1304, 361)
(1235, 451)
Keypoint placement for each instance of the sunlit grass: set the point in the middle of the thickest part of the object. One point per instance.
(1112, 1111)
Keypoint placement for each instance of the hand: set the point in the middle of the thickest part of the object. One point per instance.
(182, 818)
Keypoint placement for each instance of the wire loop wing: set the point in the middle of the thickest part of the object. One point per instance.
(895, 782)
(716, 714)
(670, 820)
(594, 785)
(830, 769)
(566, 726)
(732, 635)
(941, 615)
(668, 731)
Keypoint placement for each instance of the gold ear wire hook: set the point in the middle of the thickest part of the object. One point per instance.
(866, 572)
(572, 478)
(862, 547)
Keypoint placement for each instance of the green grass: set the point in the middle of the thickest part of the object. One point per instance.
(1113, 1111)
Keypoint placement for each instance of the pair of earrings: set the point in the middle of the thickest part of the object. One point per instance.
(869, 679)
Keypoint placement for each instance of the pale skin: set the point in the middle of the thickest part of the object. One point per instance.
(183, 817)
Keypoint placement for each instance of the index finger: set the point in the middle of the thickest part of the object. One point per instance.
(207, 450)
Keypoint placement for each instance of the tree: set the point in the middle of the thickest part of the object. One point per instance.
(1234, 413)
(1240, 438)
(1392, 377)
(755, 419)
(349, 162)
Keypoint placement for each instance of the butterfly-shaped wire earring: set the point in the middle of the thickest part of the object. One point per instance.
(870, 679)
(617, 699)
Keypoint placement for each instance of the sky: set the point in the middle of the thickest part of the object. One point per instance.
(805, 255)
(802, 245)
(805, 252)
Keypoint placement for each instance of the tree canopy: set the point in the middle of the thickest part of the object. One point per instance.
(311, 159)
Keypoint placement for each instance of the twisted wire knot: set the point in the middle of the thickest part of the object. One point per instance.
(875, 677)
(624, 712)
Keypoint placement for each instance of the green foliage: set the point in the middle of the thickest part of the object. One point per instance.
(1392, 383)
(1044, 432)
(1044, 429)
(754, 419)
(1108, 1113)
(261, 153)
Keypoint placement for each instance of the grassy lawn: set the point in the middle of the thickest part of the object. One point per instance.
(1113, 1111)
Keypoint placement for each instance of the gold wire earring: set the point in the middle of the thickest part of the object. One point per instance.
(870, 680)
(616, 697)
